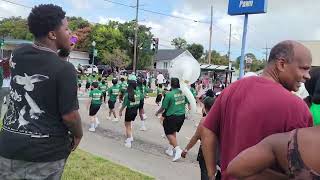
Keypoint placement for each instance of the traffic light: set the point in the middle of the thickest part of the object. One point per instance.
(155, 44)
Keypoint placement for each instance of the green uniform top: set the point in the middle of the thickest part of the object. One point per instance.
(315, 111)
(103, 87)
(174, 103)
(123, 86)
(90, 79)
(113, 92)
(194, 92)
(143, 90)
(129, 104)
(96, 94)
(160, 91)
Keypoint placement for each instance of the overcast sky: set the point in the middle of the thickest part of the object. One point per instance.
(285, 19)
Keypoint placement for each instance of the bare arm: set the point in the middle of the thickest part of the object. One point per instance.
(73, 121)
(194, 138)
(161, 110)
(255, 161)
(209, 146)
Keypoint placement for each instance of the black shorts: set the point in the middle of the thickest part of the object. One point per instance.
(94, 108)
(131, 114)
(104, 95)
(159, 97)
(111, 104)
(172, 124)
(79, 85)
(141, 104)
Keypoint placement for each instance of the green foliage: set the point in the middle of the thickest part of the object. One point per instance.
(144, 43)
(256, 63)
(117, 58)
(15, 27)
(216, 58)
(76, 23)
(179, 43)
(196, 50)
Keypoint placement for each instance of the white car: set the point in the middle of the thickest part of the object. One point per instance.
(88, 68)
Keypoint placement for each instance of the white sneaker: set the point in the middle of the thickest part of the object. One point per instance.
(144, 116)
(130, 139)
(108, 118)
(127, 144)
(97, 123)
(92, 129)
(169, 152)
(177, 155)
(143, 128)
(115, 120)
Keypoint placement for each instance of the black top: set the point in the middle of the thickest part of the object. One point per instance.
(43, 88)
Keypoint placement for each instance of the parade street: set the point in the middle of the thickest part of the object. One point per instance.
(147, 152)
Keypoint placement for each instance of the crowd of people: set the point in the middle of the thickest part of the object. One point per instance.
(256, 128)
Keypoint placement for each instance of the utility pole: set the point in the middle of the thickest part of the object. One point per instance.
(136, 39)
(210, 38)
(229, 59)
(267, 51)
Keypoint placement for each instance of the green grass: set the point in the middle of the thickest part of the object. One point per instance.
(82, 165)
(153, 94)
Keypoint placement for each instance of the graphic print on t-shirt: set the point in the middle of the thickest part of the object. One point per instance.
(28, 81)
(16, 119)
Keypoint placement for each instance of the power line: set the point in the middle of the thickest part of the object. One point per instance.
(157, 12)
(18, 4)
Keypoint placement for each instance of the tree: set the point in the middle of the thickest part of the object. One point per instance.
(84, 42)
(216, 58)
(15, 27)
(145, 36)
(76, 23)
(196, 50)
(117, 58)
(256, 64)
(107, 39)
(179, 43)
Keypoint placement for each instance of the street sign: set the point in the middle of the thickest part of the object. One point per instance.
(240, 7)
(95, 52)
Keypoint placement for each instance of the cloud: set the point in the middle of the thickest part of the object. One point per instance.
(105, 20)
(8, 10)
(80, 4)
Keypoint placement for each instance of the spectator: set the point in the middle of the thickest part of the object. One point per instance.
(42, 124)
(253, 108)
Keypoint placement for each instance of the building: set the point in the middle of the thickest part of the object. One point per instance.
(165, 57)
(314, 47)
(78, 57)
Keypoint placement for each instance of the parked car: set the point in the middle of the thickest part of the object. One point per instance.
(88, 68)
(106, 68)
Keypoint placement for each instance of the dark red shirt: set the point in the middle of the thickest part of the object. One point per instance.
(250, 110)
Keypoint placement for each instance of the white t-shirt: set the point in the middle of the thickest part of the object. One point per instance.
(160, 79)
